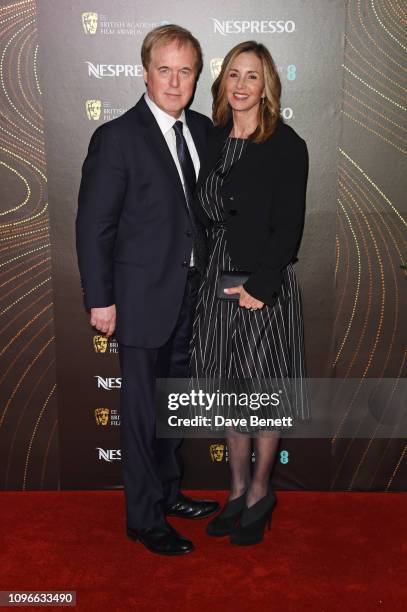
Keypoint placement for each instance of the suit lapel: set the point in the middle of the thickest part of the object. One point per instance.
(197, 136)
(156, 140)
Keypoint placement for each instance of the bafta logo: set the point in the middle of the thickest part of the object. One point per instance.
(216, 451)
(102, 416)
(216, 65)
(100, 344)
(93, 108)
(90, 22)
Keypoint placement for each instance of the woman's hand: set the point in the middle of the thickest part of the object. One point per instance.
(245, 300)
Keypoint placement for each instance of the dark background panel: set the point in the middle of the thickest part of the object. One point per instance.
(340, 66)
(311, 104)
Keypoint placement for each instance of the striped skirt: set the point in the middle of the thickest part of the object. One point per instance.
(245, 351)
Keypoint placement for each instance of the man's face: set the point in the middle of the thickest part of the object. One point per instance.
(171, 76)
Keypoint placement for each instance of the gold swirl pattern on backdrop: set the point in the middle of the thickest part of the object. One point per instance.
(27, 375)
(370, 325)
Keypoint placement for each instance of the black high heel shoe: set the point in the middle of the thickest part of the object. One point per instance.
(253, 521)
(223, 524)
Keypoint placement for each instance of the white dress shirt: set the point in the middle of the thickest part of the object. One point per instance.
(165, 123)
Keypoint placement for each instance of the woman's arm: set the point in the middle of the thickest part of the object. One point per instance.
(287, 222)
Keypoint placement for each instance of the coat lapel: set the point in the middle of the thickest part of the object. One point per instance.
(245, 165)
(240, 167)
(198, 137)
(215, 146)
(252, 159)
(158, 143)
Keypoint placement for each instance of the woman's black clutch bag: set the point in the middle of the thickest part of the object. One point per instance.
(230, 279)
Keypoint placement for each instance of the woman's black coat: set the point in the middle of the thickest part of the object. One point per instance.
(264, 196)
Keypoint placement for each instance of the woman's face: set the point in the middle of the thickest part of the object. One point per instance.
(245, 82)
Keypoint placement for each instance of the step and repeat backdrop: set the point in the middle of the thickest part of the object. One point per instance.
(68, 66)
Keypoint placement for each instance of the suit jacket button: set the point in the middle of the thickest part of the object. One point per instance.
(233, 212)
(185, 263)
(231, 198)
(188, 233)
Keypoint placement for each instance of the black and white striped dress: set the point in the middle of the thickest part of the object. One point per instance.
(233, 343)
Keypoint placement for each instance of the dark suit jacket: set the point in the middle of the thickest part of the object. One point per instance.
(134, 238)
(264, 195)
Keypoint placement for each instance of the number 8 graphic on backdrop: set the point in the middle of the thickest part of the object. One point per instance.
(291, 72)
(284, 456)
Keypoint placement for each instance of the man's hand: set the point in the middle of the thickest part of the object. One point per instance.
(245, 300)
(104, 319)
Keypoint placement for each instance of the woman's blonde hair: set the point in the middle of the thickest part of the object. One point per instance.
(269, 111)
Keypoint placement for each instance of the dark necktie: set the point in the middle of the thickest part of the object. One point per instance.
(188, 172)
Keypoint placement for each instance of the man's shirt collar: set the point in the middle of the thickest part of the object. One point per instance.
(164, 120)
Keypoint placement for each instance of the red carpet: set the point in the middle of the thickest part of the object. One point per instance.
(326, 551)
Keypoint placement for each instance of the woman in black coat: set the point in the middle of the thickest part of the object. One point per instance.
(251, 197)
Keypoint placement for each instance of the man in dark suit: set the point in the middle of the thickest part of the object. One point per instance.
(141, 252)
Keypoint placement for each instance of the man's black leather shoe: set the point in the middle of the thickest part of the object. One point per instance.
(186, 507)
(161, 540)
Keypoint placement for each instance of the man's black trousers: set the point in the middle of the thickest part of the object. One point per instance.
(151, 466)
